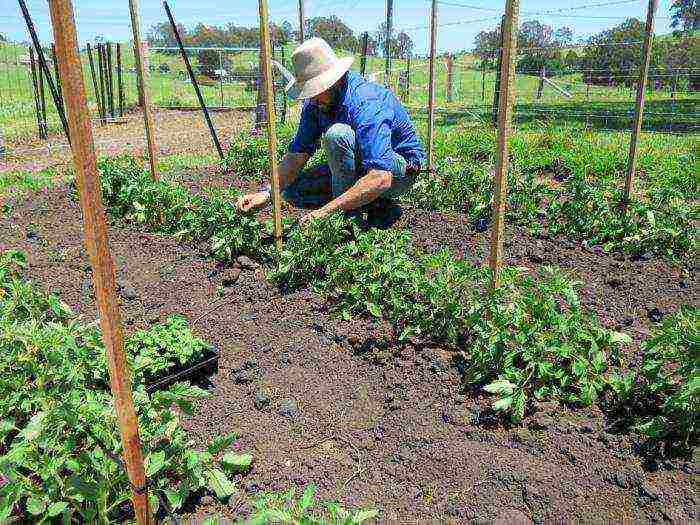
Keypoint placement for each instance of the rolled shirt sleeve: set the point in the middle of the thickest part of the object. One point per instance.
(308, 133)
(372, 124)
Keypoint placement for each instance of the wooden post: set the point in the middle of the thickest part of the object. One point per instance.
(57, 74)
(431, 84)
(505, 108)
(283, 116)
(483, 80)
(497, 85)
(110, 79)
(543, 74)
(407, 87)
(387, 40)
(98, 98)
(302, 21)
(120, 83)
(363, 60)
(266, 69)
(97, 245)
(141, 74)
(639, 110)
(42, 101)
(101, 75)
(221, 78)
(35, 86)
(449, 64)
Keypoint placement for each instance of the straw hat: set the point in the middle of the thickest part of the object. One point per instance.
(316, 68)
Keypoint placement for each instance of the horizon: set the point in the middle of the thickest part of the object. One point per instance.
(459, 21)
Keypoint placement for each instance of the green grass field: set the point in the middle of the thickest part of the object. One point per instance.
(473, 92)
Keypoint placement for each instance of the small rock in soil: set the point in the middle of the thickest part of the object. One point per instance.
(243, 378)
(251, 487)
(541, 422)
(288, 408)
(683, 284)
(207, 500)
(247, 263)
(32, 236)
(230, 276)
(437, 366)
(587, 428)
(511, 517)
(655, 315)
(620, 479)
(481, 225)
(129, 293)
(285, 359)
(262, 400)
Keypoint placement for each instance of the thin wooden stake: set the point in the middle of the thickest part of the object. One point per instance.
(120, 83)
(387, 40)
(98, 98)
(110, 79)
(97, 245)
(497, 85)
(101, 74)
(449, 63)
(431, 85)
(302, 21)
(57, 74)
(35, 86)
(407, 87)
(505, 109)
(639, 109)
(271, 124)
(363, 60)
(141, 74)
(42, 101)
(543, 75)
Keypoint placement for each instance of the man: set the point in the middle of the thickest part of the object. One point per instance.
(372, 147)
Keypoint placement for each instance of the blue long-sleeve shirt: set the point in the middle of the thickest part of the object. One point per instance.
(381, 124)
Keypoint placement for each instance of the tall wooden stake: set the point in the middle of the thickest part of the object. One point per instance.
(302, 21)
(505, 108)
(431, 85)
(97, 245)
(449, 63)
(42, 101)
(120, 82)
(98, 98)
(363, 60)
(266, 69)
(110, 78)
(103, 85)
(141, 74)
(639, 110)
(407, 87)
(497, 85)
(57, 73)
(387, 40)
(540, 88)
(35, 86)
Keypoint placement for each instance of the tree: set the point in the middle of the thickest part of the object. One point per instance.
(404, 45)
(487, 44)
(3, 38)
(334, 31)
(685, 14)
(208, 61)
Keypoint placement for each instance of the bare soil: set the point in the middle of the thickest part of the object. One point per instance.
(368, 422)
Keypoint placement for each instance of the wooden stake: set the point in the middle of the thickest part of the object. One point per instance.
(42, 101)
(450, 77)
(505, 108)
(141, 74)
(407, 87)
(363, 60)
(120, 83)
(497, 85)
(302, 21)
(97, 245)
(543, 75)
(98, 98)
(266, 69)
(57, 74)
(639, 110)
(110, 79)
(103, 85)
(431, 84)
(387, 40)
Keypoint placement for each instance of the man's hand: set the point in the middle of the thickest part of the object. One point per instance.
(316, 214)
(253, 201)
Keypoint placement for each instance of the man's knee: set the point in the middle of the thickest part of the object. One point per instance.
(339, 136)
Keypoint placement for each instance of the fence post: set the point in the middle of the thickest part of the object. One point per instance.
(283, 116)
(260, 108)
(387, 41)
(363, 60)
(42, 101)
(110, 79)
(639, 110)
(141, 68)
(543, 74)
(35, 86)
(97, 243)
(505, 109)
(449, 64)
(302, 21)
(120, 83)
(483, 80)
(271, 124)
(57, 74)
(407, 86)
(98, 98)
(497, 85)
(431, 85)
(103, 84)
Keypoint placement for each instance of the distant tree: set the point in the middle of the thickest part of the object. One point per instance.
(685, 14)
(487, 43)
(162, 35)
(400, 45)
(334, 31)
(404, 45)
(208, 61)
(3, 38)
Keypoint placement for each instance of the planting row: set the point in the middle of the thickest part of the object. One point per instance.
(529, 340)
(59, 441)
(561, 182)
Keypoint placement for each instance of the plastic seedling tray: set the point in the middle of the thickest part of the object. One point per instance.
(208, 364)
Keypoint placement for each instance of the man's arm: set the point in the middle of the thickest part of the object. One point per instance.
(289, 168)
(364, 191)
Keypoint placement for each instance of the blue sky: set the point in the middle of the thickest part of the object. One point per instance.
(110, 18)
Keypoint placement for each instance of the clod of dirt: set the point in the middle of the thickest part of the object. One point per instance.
(284, 359)
(262, 401)
(230, 276)
(32, 236)
(246, 263)
(288, 408)
(512, 517)
(655, 315)
(646, 490)
(129, 293)
(620, 479)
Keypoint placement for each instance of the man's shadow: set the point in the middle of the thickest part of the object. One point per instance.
(312, 190)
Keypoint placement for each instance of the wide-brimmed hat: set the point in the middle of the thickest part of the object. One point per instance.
(316, 68)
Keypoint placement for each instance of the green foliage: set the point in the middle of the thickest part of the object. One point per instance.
(663, 396)
(288, 508)
(59, 437)
(246, 155)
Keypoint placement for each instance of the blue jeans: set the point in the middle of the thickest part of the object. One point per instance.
(344, 161)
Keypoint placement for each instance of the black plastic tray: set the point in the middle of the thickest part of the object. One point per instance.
(207, 365)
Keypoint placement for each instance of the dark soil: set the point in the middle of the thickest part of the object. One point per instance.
(372, 424)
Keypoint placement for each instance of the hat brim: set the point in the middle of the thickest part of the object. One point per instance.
(320, 83)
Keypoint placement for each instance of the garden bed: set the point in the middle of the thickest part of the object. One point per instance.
(370, 421)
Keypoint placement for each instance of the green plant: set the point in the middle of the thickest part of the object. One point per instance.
(287, 508)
